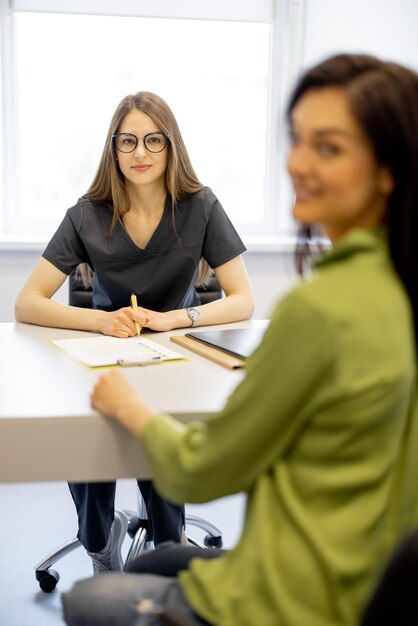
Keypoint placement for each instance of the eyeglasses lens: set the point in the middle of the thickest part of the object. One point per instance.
(125, 142)
(155, 142)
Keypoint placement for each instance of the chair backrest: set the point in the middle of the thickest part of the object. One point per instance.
(80, 295)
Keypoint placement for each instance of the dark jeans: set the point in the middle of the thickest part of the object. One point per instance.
(116, 600)
(95, 509)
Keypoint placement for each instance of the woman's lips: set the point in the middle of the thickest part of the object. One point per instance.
(305, 193)
(141, 168)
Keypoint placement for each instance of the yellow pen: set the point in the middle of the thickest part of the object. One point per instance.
(134, 305)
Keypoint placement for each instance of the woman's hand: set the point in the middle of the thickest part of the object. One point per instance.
(121, 323)
(165, 321)
(114, 396)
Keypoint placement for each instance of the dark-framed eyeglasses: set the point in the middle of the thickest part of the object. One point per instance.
(153, 142)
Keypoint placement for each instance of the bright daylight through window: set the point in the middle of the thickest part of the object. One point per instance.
(72, 70)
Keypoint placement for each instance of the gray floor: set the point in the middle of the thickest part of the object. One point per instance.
(37, 517)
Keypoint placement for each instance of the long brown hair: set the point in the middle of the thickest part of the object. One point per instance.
(108, 186)
(383, 97)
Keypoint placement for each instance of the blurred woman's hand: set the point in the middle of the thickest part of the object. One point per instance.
(114, 396)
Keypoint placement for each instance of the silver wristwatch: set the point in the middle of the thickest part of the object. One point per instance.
(194, 315)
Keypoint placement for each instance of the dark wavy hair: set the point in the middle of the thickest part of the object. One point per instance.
(383, 98)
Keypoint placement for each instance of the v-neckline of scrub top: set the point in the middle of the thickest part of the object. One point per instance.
(149, 246)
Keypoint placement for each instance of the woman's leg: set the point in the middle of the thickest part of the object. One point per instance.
(101, 530)
(95, 508)
(128, 600)
(166, 520)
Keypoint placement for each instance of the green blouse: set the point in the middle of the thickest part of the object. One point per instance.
(322, 435)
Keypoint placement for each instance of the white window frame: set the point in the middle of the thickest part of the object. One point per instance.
(286, 18)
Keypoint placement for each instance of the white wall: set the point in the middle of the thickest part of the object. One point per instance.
(385, 28)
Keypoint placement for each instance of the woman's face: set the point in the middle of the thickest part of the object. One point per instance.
(141, 167)
(337, 182)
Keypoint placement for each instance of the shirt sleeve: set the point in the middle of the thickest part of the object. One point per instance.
(66, 249)
(262, 418)
(221, 242)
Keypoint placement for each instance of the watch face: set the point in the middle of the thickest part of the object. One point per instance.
(194, 314)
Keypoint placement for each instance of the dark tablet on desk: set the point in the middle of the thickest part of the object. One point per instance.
(239, 342)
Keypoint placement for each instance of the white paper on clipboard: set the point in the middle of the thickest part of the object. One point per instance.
(104, 351)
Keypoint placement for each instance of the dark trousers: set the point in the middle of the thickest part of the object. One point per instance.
(95, 504)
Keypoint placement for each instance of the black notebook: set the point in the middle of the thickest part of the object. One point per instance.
(239, 342)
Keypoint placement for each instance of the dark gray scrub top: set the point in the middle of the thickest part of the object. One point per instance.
(162, 275)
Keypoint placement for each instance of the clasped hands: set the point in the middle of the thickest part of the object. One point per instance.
(121, 323)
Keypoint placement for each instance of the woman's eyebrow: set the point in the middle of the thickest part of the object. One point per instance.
(323, 132)
(334, 130)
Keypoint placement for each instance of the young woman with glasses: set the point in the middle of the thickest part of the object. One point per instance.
(143, 227)
(322, 433)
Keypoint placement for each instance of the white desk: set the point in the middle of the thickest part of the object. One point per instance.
(48, 430)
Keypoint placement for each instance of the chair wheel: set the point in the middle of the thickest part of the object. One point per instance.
(48, 579)
(213, 542)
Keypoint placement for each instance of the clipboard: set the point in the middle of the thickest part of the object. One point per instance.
(213, 354)
(103, 351)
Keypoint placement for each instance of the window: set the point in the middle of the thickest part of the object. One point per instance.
(224, 67)
(68, 64)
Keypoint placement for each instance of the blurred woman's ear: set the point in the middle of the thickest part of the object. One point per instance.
(386, 183)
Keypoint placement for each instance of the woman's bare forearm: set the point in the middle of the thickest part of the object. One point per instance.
(233, 308)
(36, 309)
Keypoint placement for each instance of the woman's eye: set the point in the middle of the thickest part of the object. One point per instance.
(155, 139)
(127, 141)
(327, 149)
(293, 138)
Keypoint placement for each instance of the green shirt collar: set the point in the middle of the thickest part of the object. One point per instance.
(355, 241)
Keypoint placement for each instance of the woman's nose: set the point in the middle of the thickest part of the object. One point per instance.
(140, 150)
(299, 160)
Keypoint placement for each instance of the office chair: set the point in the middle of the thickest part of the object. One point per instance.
(80, 295)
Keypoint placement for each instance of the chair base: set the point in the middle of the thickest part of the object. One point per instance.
(139, 531)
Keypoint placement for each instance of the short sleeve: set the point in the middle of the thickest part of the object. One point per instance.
(221, 242)
(66, 249)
